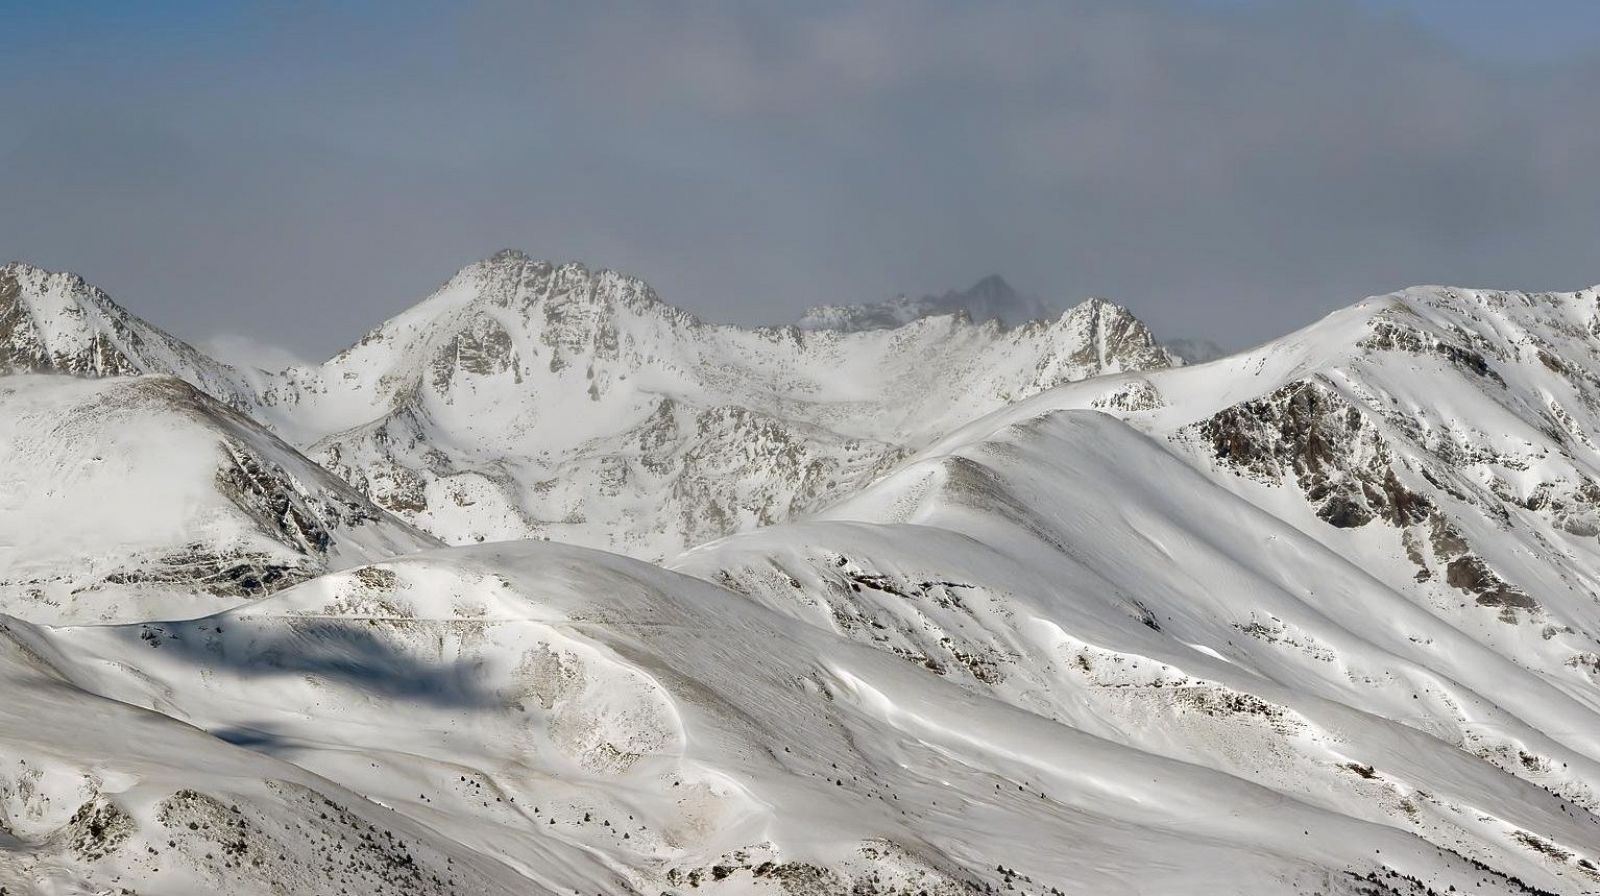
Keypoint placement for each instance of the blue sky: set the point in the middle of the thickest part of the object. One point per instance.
(1230, 169)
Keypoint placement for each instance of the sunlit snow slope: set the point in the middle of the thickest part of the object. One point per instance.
(123, 498)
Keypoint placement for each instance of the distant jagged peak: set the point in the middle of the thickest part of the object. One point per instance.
(512, 276)
(526, 294)
(992, 298)
(38, 291)
(556, 299)
(991, 285)
(989, 299)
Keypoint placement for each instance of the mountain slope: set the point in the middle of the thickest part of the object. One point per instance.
(57, 323)
(1444, 437)
(608, 726)
(100, 797)
(123, 498)
(1352, 565)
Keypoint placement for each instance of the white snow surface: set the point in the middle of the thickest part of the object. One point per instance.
(1315, 618)
(124, 498)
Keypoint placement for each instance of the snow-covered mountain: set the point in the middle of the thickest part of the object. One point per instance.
(1357, 566)
(527, 399)
(990, 299)
(126, 497)
(1315, 618)
(57, 323)
(599, 724)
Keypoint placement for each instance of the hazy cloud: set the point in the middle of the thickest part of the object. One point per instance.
(239, 349)
(1228, 169)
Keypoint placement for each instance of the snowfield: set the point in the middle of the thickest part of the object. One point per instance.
(964, 608)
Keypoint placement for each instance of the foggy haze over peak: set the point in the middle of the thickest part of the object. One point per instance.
(1224, 169)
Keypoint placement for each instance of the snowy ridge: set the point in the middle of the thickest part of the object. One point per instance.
(526, 399)
(1314, 618)
(58, 323)
(1366, 549)
(126, 497)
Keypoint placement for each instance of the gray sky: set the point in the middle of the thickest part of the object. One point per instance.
(294, 173)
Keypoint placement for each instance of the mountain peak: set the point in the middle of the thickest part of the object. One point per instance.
(991, 285)
(56, 322)
(991, 298)
(508, 255)
(512, 277)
